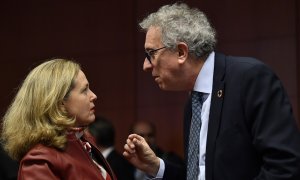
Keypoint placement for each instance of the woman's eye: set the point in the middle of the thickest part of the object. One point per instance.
(85, 90)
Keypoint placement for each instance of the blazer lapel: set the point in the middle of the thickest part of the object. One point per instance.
(215, 112)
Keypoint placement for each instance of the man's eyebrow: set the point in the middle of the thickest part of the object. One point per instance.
(149, 49)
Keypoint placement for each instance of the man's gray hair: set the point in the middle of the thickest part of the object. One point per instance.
(179, 23)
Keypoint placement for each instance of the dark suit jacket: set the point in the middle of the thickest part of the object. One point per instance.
(252, 133)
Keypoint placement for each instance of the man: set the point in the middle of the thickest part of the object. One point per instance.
(239, 127)
(104, 133)
(147, 130)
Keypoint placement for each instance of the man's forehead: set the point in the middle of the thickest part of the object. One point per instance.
(153, 38)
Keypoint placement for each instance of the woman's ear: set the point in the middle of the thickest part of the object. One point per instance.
(62, 105)
(183, 52)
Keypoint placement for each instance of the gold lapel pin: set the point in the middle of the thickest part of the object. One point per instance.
(220, 93)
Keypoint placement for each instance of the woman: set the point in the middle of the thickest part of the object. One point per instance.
(44, 126)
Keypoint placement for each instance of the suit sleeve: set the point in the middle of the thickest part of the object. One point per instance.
(173, 171)
(273, 127)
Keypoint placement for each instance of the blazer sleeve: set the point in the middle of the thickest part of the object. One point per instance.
(274, 130)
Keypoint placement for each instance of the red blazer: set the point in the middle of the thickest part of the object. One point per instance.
(47, 163)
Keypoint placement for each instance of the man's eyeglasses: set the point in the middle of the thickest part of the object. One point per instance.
(149, 54)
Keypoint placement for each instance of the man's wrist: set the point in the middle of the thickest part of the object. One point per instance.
(154, 168)
(160, 173)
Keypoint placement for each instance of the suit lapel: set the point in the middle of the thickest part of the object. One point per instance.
(215, 112)
(98, 154)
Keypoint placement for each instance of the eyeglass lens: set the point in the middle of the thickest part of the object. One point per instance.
(151, 52)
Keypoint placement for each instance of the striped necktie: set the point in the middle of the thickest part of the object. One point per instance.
(193, 145)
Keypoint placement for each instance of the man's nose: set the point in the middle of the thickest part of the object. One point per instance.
(147, 66)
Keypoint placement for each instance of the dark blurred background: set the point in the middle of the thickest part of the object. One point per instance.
(103, 36)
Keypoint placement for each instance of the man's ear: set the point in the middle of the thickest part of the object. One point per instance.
(183, 52)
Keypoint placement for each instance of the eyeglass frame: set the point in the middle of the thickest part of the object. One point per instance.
(150, 53)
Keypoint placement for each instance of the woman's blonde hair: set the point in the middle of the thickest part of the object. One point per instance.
(36, 114)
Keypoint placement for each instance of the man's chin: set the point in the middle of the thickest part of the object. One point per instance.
(168, 88)
(162, 87)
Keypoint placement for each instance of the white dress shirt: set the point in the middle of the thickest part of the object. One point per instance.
(204, 84)
(107, 151)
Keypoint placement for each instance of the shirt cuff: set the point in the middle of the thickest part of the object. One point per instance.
(160, 172)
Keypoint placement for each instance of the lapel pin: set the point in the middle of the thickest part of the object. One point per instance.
(220, 93)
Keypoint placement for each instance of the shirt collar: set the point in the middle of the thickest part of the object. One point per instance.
(78, 131)
(107, 151)
(204, 80)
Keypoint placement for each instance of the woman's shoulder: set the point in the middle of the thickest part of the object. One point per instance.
(43, 160)
(41, 152)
